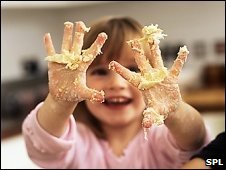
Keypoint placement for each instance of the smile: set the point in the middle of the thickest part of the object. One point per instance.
(116, 101)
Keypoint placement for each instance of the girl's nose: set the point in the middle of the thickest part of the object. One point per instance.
(117, 82)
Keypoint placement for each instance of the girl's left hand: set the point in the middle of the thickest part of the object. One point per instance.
(159, 86)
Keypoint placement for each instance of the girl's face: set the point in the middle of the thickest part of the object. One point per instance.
(123, 103)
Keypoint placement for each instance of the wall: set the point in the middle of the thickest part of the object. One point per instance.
(22, 32)
(183, 21)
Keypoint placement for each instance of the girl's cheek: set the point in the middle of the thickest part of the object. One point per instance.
(138, 95)
(136, 91)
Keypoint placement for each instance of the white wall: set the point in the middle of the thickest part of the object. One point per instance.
(184, 21)
(22, 32)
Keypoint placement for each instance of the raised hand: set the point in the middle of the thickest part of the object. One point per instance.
(158, 85)
(67, 70)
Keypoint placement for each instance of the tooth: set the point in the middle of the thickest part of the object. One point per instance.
(114, 100)
(117, 100)
(121, 99)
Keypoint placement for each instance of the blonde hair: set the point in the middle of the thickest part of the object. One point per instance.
(118, 30)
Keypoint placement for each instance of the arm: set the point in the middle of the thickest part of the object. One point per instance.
(53, 116)
(187, 127)
(163, 100)
(67, 78)
(161, 92)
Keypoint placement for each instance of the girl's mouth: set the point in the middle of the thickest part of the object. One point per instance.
(117, 101)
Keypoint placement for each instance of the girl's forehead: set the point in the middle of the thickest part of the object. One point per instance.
(124, 60)
(126, 54)
(121, 53)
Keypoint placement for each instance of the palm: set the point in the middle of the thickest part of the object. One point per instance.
(161, 96)
(67, 83)
(61, 82)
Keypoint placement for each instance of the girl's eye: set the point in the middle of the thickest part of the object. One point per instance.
(134, 69)
(99, 72)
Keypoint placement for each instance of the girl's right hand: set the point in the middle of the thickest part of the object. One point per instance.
(68, 84)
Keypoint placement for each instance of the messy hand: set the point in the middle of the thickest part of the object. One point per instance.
(158, 85)
(67, 70)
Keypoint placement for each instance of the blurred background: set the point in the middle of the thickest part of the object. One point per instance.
(200, 25)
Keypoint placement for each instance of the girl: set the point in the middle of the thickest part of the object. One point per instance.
(107, 130)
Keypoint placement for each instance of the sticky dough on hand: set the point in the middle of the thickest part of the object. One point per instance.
(148, 79)
(72, 60)
(76, 62)
(152, 35)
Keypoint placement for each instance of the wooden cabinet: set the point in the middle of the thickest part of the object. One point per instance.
(205, 99)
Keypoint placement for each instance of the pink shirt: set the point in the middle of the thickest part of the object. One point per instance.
(80, 148)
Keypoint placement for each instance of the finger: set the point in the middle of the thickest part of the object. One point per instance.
(67, 37)
(179, 62)
(132, 77)
(49, 45)
(151, 117)
(147, 121)
(140, 58)
(80, 29)
(90, 54)
(155, 55)
(94, 95)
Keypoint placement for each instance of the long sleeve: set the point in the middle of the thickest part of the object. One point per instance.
(79, 148)
(165, 150)
(45, 149)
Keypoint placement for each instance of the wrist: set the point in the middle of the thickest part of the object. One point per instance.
(57, 108)
(54, 115)
(61, 103)
(173, 116)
